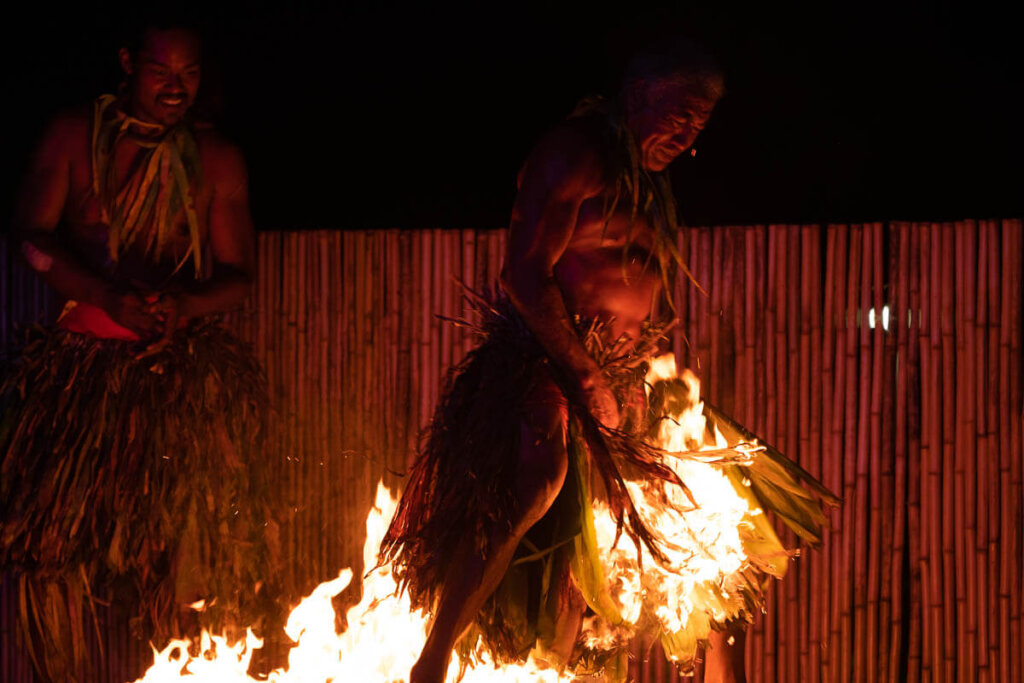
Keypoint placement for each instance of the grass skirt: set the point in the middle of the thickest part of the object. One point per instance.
(137, 482)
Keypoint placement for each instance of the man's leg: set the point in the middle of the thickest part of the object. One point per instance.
(471, 579)
(568, 617)
(724, 661)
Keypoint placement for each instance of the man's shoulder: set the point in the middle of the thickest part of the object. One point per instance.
(70, 125)
(574, 149)
(212, 141)
(584, 137)
(220, 155)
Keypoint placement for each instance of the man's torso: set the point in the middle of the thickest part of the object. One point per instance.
(608, 269)
(87, 233)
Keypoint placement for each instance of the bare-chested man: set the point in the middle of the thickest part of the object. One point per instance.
(581, 247)
(141, 291)
(132, 465)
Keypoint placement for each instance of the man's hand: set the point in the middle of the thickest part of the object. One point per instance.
(169, 310)
(129, 310)
(600, 400)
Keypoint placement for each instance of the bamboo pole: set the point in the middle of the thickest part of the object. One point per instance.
(839, 257)
(935, 479)
(421, 376)
(786, 611)
(737, 380)
(445, 268)
(791, 389)
(351, 349)
(391, 429)
(886, 338)
(378, 456)
(863, 651)
(808, 597)
(850, 403)
(438, 278)
(746, 331)
(975, 466)
(336, 342)
(900, 326)
(818, 604)
(986, 608)
(312, 509)
(1010, 428)
(710, 386)
(872, 489)
(774, 339)
(986, 489)
(755, 641)
(914, 469)
(826, 379)
(1000, 524)
(948, 411)
(930, 457)
(469, 277)
(703, 308)
(284, 370)
(726, 359)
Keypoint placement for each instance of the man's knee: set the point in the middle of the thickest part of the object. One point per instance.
(543, 460)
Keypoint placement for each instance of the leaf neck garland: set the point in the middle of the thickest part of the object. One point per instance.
(648, 192)
(156, 190)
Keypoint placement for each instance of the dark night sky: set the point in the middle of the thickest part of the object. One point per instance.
(412, 116)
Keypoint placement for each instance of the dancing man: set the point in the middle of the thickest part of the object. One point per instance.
(491, 535)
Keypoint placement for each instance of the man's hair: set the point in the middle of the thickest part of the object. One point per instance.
(676, 59)
(160, 18)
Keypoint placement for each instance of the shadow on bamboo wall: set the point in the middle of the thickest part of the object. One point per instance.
(885, 359)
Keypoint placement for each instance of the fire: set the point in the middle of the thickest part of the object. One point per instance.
(700, 582)
(705, 537)
(383, 639)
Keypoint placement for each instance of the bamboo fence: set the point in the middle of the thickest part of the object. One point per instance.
(885, 358)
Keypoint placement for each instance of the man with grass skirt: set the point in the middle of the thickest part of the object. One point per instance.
(491, 535)
(131, 473)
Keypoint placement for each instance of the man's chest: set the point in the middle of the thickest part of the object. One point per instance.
(130, 186)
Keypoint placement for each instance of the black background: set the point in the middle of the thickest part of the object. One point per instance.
(419, 115)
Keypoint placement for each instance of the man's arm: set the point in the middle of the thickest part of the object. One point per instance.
(39, 209)
(232, 243)
(560, 174)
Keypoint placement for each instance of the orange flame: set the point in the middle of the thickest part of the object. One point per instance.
(701, 581)
(381, 644)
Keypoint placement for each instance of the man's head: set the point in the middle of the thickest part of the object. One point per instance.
(668, 93)
(163, 70)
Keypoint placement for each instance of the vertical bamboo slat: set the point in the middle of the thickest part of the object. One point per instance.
(851, 510)
(873, 485)
(1011, 434)
(863, 652)
(915, 458)
(900, 322)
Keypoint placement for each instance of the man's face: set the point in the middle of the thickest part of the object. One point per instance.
(666, 119)
(164, 75)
